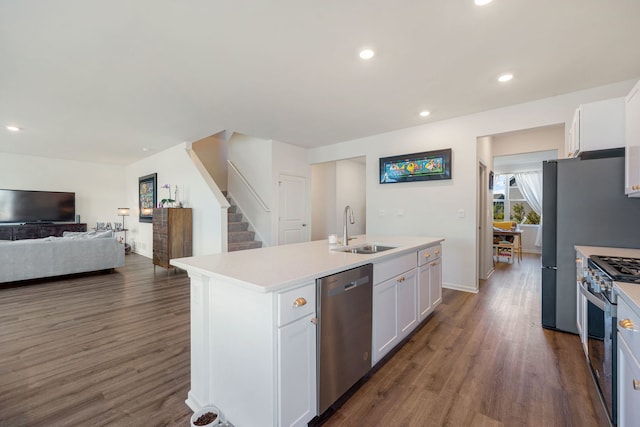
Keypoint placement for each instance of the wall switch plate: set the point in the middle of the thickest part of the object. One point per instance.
(460, 213)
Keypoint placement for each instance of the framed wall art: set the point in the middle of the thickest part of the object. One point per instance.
(425, 166)
(147, 196)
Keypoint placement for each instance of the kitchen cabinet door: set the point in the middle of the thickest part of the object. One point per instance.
(435, 282)
(628, 386)
(429, 288)
(407, 303)
(385, 318)
(297, 372)
(632, 136)
(424, 292)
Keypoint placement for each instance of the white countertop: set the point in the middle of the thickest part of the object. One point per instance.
(599, 250)
(278, 267)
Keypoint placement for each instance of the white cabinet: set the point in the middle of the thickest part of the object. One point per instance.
(407, 285)
(628, 365)
(297, 356)
(385, 318)
(632, 136)
(628, 387)
(395, 312)
(297, 372)
(429, 280)
(597, 126)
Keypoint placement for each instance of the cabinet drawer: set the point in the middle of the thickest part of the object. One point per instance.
(629, 326)
(429, 254)
(387, 269)
(296, 303)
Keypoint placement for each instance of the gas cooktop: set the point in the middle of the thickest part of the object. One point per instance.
(620, 269)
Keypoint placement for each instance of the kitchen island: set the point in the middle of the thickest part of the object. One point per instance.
(253, 320)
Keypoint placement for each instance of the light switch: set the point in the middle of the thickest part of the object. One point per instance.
(460, 213)
(381, 212)
(400, 212)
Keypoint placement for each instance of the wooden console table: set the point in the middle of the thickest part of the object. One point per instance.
(515, 246)
(172, 235)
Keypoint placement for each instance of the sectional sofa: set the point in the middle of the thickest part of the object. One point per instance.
(75, 252)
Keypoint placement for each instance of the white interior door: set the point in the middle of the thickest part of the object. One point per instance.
(292, 213)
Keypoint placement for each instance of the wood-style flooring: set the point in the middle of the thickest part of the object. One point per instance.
(113, 349)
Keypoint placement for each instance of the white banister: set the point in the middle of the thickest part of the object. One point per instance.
(246, 183)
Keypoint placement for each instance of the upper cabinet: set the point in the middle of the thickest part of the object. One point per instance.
(597, 126)
(632, 155)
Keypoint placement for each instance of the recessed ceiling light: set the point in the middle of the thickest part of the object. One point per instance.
(13, 128)
(482, 2)
(367, 54)
(424, 113)
(505, 78)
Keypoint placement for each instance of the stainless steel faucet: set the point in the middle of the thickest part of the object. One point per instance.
(352, 219)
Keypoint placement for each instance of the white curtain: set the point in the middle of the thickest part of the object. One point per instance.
(530, 185)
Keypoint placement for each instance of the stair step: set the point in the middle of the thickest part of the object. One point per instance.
(234, 217)
(240, 246)
(241, 236)
(237, 226)
(232, 209)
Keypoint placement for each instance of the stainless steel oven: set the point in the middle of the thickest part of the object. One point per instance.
(602, 345)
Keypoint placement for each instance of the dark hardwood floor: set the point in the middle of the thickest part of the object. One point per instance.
(482, 360)
(106, 349)
(113, 350)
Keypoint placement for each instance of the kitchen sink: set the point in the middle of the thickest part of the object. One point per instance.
(366, 249)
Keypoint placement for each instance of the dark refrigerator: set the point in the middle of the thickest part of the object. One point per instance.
(583, 203)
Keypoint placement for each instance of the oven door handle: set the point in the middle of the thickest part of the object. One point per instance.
(592, 298)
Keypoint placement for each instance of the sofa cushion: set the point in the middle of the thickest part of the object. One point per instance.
(88, 234)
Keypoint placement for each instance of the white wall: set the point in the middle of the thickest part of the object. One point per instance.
(99, 188)
(448, 208)
(212, 152)
(174, 166)
(547, 138)
(334, 186)
(323, 204)
(351, 190)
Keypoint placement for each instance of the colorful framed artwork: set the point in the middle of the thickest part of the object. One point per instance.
(425, 166)
(147, 196)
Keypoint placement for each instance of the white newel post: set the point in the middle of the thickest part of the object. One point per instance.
(200, 393)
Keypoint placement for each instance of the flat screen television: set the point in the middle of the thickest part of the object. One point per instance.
(18, 206)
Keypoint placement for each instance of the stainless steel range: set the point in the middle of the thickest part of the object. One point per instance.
(597, 287)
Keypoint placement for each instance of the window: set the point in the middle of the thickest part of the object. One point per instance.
(509, 204)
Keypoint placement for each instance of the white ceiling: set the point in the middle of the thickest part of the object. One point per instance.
(101, 80)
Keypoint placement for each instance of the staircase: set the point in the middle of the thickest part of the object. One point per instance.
(239, 236)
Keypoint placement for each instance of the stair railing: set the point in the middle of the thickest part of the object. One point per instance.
(249, 187)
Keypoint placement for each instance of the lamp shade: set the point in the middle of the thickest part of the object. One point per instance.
(123, 211)
(147, 211)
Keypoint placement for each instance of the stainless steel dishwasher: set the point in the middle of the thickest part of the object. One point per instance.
(344, 331)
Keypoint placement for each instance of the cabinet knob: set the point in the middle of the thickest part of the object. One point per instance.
(437, 252)
(299, 302)
(626, 324)
(636, 384)
(427, 255)
(433, 264)
(314, 320)
(401, 279)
